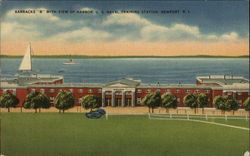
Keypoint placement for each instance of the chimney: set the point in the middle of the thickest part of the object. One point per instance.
(224, 76)
(209, 77)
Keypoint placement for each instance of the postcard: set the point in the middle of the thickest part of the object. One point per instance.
(124, 78)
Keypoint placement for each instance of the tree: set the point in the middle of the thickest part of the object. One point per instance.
(247, 105)
(190, 100)
(152, 100)
(232, 104)
(225, 103)
(220, 102)
(36, 100)
(64, 100)
(91, 102)
(202, 101)
(168, 101)
(8, 100)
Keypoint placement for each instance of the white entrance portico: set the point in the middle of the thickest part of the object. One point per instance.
(119, 93)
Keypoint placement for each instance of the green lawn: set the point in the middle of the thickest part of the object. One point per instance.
(52, 134)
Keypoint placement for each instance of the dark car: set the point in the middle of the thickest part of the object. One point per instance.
(95, 114)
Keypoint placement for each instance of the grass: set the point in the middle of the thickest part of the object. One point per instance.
(52, 134)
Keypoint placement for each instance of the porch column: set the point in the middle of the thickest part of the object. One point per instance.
(133, 99)
(234, 94)
(123, 98)
(103, 98)
(113, 99)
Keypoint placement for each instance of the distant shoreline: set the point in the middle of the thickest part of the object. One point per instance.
(117, 57)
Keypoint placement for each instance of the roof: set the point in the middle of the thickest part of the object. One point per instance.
(69, 85)
(222, 79)
(23, 80)
(237, 87)
(124, 82)
(175, 86)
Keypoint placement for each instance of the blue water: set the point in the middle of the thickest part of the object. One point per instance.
(148, 70)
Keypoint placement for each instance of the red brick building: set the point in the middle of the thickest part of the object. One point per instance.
(127, 91)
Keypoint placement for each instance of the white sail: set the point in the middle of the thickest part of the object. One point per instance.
(26, 62)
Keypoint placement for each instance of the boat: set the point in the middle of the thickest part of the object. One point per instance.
(70, 62)
(27, 76)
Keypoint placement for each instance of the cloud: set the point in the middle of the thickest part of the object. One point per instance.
(230, 36)
(125, 19)
(83, 34)
(89, 10)
(149, 31)
(17, 31)
(128, 27)
(32, 26)
(154, 32)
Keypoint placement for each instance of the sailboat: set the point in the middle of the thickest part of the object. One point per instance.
(70, 62)
(27, 77)
(26, 64)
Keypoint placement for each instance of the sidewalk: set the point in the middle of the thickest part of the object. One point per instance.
(133, 110)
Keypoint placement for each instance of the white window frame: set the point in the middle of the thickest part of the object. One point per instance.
(90, 90)
(139, 91)
(138, 100)
(80, 90)
(42, 90)
(178, 99)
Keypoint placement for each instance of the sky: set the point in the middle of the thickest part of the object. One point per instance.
(136, 28)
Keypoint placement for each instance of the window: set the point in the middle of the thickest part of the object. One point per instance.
(80, 90)
(99, 90)
(197, 91)
(187, 91)
(240, 102)
(42, 91)
(158, 90)
(138, 100)
(14, 91)
(229, 93)
(168, 90)
(52, 90)
(178, 99)
(177, 91)
(71, 90)
(33, 90)
(138, 90)
(148, 90)
(90, 91)
(239, 93)
(51, 99)
(128, 93)
(207, 91)
(118, 93)
(79, 100)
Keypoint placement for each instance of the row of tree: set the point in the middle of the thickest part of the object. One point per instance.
(193, 101)
(65, 100)
(37, 100)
